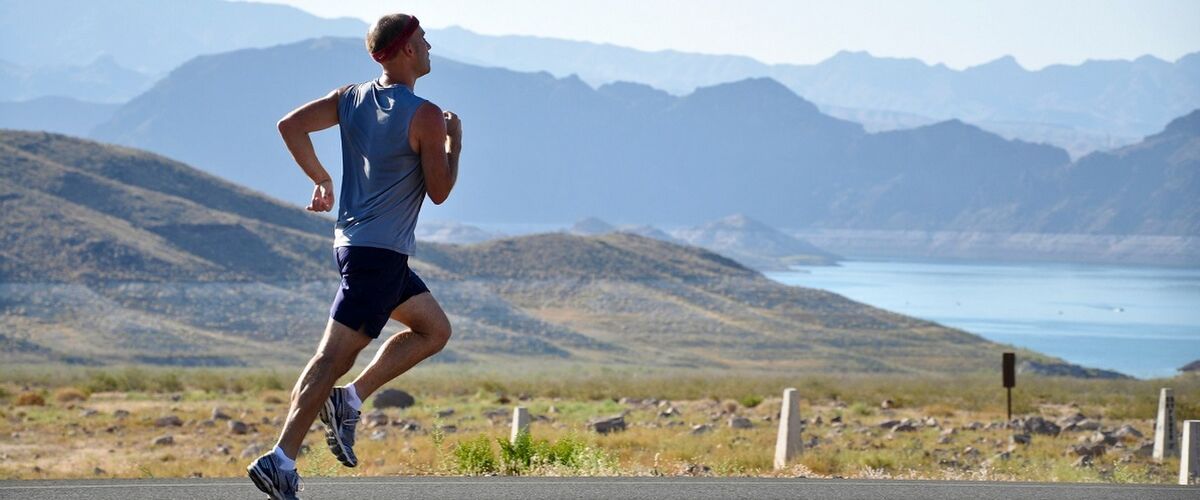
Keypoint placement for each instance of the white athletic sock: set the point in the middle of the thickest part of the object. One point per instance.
(353, 398)
(283, 461)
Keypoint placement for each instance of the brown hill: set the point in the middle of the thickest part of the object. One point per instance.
(119, 256)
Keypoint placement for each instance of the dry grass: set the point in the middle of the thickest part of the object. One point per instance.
(30, 399)
(93, 434)
(69, 395)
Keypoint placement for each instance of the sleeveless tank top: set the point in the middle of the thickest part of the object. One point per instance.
(383, 186)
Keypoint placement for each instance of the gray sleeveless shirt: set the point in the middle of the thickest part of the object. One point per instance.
(382, 182)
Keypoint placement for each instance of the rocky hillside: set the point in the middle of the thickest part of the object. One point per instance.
(754, 243)
(120, 256)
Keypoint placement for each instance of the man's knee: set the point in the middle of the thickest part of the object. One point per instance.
(435, 327)
(445, 334)
(331, 363)
(438, 335)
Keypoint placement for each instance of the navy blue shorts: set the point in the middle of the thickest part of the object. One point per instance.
(374, 282)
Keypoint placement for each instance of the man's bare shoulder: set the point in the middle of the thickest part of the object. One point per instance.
(429, 118)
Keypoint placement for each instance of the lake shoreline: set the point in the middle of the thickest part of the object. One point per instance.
(1132, 319)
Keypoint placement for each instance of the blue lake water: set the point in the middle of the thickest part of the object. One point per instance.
(1140, 321)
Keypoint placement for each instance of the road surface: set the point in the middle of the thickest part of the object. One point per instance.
(565, 488)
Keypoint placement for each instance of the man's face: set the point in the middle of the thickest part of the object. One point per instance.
(421, 51)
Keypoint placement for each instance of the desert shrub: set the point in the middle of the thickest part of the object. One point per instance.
(167, 382)
(125, 380)
(825, 464)
(569, 455)
(750, 400)
(101, 382)
(517, 456)
(861, 409)
(939, 410)
(492, 386)
(69, 395)
(878, 461)
(268, 381)
(30, 399)
(568, 451)
(474, 457)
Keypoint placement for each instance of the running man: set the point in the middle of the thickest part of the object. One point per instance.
(396, 148)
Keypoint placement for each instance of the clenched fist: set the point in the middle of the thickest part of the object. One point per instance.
(322, 198)
(453, 130)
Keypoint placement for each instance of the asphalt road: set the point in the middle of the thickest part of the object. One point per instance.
(606, 488)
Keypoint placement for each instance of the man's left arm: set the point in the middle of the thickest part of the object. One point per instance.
(437, 137)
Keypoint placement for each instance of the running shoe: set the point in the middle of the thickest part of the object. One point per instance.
(340, 419)
(277, 483)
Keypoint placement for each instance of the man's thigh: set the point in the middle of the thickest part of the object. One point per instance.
(341, 342)
(422, 313)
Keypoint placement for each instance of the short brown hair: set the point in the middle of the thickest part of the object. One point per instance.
(386, 29)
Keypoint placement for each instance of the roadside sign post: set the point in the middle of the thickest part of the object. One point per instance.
(1189, 458)
(520, 423)
(1166, 443)
(1010, 378)
(787, 442)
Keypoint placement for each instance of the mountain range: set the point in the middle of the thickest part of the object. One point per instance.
(906, 183)
(122, 256)
(1096, 105)
(1093, 105)
(111, 51)
(101, 81)
(543, 149)
(150, 36)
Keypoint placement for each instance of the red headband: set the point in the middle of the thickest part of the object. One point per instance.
(386, 53)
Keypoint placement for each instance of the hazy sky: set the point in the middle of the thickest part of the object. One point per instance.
(958, 33)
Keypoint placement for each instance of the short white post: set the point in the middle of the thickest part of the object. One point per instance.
(1189, 459)
(520, 423)
(787, 443)
(1164, 427)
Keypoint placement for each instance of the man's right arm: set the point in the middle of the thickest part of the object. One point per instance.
(295, 127)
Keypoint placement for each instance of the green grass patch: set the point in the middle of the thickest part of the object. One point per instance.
(474, 457)
(568, 455)
(750, 400)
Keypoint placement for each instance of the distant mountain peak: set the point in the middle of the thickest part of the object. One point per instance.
(954, 124)
(1003, 63)
(741, 221)
(591, 226)
(1150, 59)
(861, 59)
(1188, 124)
(624, 88)
(761, 83)
(632, 92)
(761, 89)
(850, 55)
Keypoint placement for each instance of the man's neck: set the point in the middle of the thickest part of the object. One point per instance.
(390, 78)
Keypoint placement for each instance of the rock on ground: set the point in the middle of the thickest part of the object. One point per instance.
(168, 421)
(607, 425)
(394, 398)
(238, 427)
